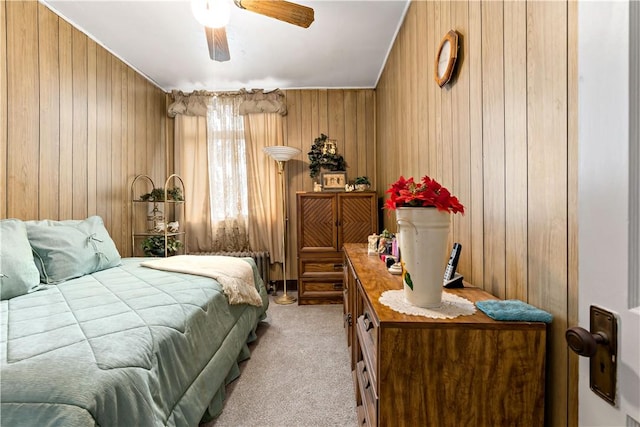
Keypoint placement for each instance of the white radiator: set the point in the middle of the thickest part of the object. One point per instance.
(261, 258)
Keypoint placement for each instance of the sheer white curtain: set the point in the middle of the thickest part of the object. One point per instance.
(227, 174)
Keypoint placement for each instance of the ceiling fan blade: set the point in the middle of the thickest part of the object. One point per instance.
(217, 41)
(292, 13)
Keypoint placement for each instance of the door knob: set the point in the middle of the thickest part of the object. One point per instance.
(583, 342)
(600, 345)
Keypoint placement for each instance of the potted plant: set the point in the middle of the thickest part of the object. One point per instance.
(157, 195)
(154, 245)
(362, 183)
(323, 155)
(423, 220)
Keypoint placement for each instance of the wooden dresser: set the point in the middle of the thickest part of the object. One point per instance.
(417, 371)
(325, 222)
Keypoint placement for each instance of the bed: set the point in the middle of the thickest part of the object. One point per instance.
(123, 345)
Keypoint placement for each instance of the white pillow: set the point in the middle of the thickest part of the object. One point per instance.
(72, 248)
(18, 272)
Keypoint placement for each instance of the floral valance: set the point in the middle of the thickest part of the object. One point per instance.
(256, 101)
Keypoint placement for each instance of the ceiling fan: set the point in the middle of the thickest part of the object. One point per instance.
(214, 15)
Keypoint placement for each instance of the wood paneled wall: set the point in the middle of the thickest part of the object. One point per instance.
(346, 115)
(502, 137)
(77, 123)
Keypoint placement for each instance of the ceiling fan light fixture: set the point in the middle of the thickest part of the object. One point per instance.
(211, 13)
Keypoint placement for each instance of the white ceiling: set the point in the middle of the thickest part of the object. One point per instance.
(345, 47)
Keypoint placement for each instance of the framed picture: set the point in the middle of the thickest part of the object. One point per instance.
(334, 181)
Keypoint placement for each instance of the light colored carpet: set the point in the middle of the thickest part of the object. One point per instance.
(298, 374)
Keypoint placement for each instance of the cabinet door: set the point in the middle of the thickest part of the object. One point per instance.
(317, 222)
(358, 217)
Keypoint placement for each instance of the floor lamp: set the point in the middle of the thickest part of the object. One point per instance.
(282, 154)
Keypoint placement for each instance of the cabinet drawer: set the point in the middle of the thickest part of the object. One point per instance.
(311, 288)
(321, 268)
(368, 347)
(369, 400)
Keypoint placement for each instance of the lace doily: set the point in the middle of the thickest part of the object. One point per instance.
(452, 305)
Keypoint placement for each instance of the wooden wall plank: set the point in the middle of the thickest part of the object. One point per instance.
(547, 117)
(132, 171)
(79, 125)
(314, 117)
(515, 144)
(323, 111)
(92, 128)
(424, 80)
(140, 128)
(102, 134)
(22, 95)
(154, 151)
(371, 137)
(65, 180)
(461, 137)
(437, 101)
(475, 207)
(447, 122)
(118, 193)
(49, 135)
(107, 192)
(432, 44)
(493, 137)
(361, 131)
(410, 65)
(350, 134)
(305, 129)
(335, 108)
(3, 108)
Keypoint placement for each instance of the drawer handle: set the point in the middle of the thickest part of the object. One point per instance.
(368, 324)
(337, 267)
(366, 377)
(337, 286)
(348, 319)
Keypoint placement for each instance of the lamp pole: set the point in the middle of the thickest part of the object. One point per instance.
(281, 154)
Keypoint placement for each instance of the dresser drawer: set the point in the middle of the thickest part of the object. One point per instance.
(368, 338)
(317, 291)
(367, 393)
(325, 268)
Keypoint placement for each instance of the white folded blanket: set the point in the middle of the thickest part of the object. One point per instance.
(234, 274)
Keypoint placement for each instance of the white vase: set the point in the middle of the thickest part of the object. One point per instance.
(422, 237)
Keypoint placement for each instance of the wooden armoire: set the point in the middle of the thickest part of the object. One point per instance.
(326, 221)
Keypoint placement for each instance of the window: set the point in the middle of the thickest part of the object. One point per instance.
(227, 173)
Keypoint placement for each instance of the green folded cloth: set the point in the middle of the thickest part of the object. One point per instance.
(513, 310)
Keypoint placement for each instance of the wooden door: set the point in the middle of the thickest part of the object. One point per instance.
(358, 217)
(317, 221)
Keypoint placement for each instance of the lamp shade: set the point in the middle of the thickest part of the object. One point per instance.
(281, 153)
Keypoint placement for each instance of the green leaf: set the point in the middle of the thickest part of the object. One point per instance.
(407, 279)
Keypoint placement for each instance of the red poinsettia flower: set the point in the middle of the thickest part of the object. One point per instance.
(427, 193)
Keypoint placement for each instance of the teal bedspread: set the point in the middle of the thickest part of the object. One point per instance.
(127, 346)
